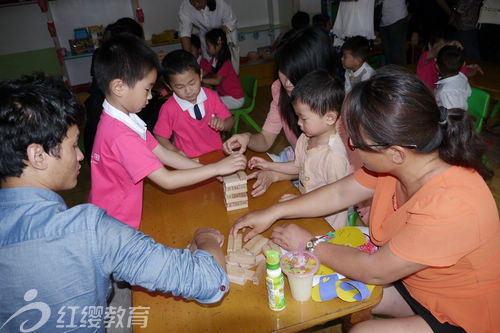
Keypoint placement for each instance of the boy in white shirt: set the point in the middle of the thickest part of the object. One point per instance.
(453, 89)
(355, 52)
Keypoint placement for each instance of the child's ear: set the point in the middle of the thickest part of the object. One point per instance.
(331, 117)
(117, 87)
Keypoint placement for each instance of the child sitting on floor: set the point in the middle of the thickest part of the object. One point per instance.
(194, 115)
(124, 151)
(219, 71)
(355, 51)
(453, 89)
(320, 155)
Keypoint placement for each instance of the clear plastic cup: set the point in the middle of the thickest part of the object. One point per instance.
(300, 267)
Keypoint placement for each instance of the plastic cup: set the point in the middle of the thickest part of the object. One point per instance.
(300, 267)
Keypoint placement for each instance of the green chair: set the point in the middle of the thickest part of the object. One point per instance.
(249, 83)
(478, 102)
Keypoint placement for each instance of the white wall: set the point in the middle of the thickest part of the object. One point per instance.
(310, 6)
(24, 28)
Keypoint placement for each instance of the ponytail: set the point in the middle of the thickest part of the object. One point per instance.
(218, 37)
(461, 145)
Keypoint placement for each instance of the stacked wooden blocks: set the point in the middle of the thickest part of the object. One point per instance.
(235, 191)
(241, 260)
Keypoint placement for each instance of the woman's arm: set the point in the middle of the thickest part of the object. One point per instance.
(259, 142)
(323, 201)
(186, 43)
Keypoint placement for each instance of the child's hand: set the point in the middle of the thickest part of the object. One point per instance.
(216, 123)
(291, 236)
(237, 141)
(264, 180)
(473, 69)
(288, 196)
(204, 237)
(231, 164)
(259, 163)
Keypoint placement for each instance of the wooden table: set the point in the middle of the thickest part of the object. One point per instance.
(171, 217)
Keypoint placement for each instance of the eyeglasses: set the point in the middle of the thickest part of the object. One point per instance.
(353, 147)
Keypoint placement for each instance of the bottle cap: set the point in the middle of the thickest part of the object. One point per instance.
(272, 259)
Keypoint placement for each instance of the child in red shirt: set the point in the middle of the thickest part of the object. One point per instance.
(220, 72)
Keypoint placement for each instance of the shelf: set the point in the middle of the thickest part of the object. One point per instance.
(264, 27)
(76, 56)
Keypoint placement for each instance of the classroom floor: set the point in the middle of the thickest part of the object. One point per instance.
(80, 193)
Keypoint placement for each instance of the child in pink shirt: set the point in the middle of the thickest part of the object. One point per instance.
(219, 71)
(194, 116)
(124, 151)
(320, 155)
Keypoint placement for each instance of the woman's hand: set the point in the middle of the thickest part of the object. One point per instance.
(257, 220)
(237, 141)
(264, 180)
(291, 236)
(473, 69)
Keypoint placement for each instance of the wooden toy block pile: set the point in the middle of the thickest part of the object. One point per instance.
(241, 260)
(235, 191)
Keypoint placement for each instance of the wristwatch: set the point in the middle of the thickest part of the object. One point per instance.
(311, 244)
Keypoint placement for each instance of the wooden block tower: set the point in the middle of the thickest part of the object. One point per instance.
(235, 191)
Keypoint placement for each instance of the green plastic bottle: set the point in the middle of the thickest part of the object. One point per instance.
(275, 281)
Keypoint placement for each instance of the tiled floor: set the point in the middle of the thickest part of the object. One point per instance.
(80, 193)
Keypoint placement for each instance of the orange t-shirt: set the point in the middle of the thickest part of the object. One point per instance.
(450, 224)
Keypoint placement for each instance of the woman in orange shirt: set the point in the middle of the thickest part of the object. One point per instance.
(433, 216)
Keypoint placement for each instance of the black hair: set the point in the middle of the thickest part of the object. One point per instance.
(319, 90)
(320, 20)
(177, 62)
(395, 108)
(445, 34)
(450, 60)
(34, 109)
(359, 47)
(125, 25)
(124, 57)
(195, 40)
(300, 20)
(211, 4)
(301, 52)
(218, 37)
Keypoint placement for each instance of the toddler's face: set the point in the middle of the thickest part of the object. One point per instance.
(349, 61)
(310, 122)
(186, 85)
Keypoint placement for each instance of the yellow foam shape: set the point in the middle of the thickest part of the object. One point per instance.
(324, 270)
(348, 295)
(350, 236)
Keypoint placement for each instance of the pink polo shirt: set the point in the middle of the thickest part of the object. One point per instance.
(274, 123)
(193, 137)
(230, 84)
(120, 161)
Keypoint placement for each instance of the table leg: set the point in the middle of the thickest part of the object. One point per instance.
(354, 318)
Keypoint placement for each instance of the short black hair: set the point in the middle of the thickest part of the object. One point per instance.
(125, 25)
(319, 90)
(34, 109)
(124, 57)
(320, 20)
(359, 47)
(177, 62)
(450, 60)
(195, 40)
(300, 20)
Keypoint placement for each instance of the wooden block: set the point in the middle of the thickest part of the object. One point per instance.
(236, 205)
(257, 247)
(237, 242)
(259, 258)
(239, 275)
(259, 272)
(235, 189)
(237, 178)
(274, 246)
(235, 197)
(245, 259)
(266, 247)
(241, 280)
(252, 242)
(230, 243)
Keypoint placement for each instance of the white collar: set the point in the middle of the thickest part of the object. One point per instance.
(132, 120)
(186, 105)
(451, 78)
